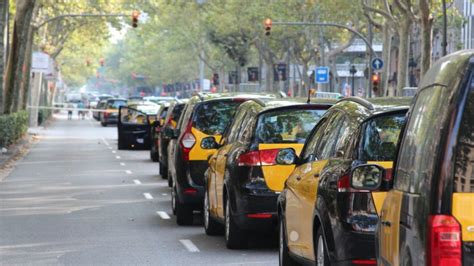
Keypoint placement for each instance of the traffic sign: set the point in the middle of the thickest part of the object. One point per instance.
(377, 63)
(322, 75)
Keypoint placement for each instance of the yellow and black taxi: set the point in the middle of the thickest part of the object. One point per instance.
(134, 125)
(155, 131)
(321, 218)
(243, 180)
(204, 115)
(110, 115)
(169, 124)
(428, 215)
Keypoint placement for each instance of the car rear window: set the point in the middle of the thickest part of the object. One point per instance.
(116, 104)
(380, 137)
(213, 117)
(287, 125)
(464, 160)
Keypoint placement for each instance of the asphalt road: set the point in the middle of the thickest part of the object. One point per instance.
(76, 200)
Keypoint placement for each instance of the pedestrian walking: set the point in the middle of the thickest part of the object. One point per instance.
(70, 106)
(81, 113)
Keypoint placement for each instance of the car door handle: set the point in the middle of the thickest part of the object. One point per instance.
(298, 178)
(386, 223)
(316, 175)
(225, 155)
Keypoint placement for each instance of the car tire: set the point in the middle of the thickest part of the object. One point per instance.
(170, 181)
(104, 124)
(283, 251)
(163, 172)
(154, 156)
(235, 238)
(211, 226)
(320, 252)
(184, 214)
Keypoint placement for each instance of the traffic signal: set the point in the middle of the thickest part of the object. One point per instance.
(135, 15)
(268, 26)
(375, 81)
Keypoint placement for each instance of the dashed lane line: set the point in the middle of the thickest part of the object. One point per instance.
(137, 182)
(122, 164)
(189, 245)
(105, 141)
(117, 157)
(128, 172)
(114, 151)
(163, 215)
(147, 195)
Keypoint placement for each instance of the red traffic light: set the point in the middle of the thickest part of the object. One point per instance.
(375, 78)
(135, 15)
(268, 26)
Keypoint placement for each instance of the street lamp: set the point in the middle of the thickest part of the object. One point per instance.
(353, 71)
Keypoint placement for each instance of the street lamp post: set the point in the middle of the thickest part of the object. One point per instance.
(353, 71)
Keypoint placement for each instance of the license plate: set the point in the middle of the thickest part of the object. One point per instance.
(141, 141)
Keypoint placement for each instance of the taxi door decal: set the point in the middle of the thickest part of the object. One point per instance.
(463, 210)
(390, 228)
(221, 161)
(276, 175)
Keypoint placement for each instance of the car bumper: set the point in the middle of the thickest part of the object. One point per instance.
(256, 212)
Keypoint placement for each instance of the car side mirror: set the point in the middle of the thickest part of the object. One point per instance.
(170, 133)
(209, 143)
(286, 157)
(367, 177)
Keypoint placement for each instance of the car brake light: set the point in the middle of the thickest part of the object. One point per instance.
(106, 114)
(187, 141)
(344, 184)
(259, 215)
(258, 158)
(364, 262)
(444, 241)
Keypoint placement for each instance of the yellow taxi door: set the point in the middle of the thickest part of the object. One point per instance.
(221, 160)
(211, 184)
(300, 198)
(378, 197)
(389, 228)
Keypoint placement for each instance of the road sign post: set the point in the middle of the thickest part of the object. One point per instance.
(377, 64)
(322, 75)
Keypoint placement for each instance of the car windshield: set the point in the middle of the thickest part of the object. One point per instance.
(286, 126)
(380, 137)
(212, 117)
(116, 104)
(464, 160)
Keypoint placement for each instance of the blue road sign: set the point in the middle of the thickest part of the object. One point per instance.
(377, 63)
(322, 75)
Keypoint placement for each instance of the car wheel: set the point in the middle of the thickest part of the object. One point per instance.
(211, 226)
(322, 257)
(234, 237)
(163, 172)
(154, 154)
(283, 252)
(184, 214)
(104, 124)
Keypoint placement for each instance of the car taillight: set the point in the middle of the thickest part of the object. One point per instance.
(444, 241)
(258, 158)
(187, 141)
(364, 262)
(344, 184)
(106, 114)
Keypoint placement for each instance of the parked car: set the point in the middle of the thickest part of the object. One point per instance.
(155, 131)
(243, 180)
(428, 215)
(321, 218)
(203, 116)
(110, 115)
(169, 124)
(134, 125)
(96, 114)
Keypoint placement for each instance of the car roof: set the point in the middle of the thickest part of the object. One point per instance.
(365, 108)
(116, 99)
(283, 104)
(204, 97)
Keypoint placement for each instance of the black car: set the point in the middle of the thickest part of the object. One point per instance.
(243, 180)
(204, 115)
(155, 131)
(322, 219)
(110, 115)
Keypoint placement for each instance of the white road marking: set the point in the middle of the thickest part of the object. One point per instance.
(113, 151)
(137, 182)
(163, 215)
(122, 164)
(128, 172)
(117, 157)
(148, 195)
(105, 141)
(164, 194)
(189, 245)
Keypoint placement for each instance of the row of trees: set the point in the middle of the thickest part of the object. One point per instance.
(31, 26)
(229, 34)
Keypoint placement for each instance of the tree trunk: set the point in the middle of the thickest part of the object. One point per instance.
(3, 33)
(25, 83)
(16, 68)
(387, 48)
(427, 36)
(404, 35)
